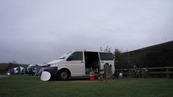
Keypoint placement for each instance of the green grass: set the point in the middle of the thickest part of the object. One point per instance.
(31, 86)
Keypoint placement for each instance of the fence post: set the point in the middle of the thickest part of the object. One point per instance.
(167, 72)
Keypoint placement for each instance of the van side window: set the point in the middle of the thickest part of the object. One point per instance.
(77, 56)
(106, 56)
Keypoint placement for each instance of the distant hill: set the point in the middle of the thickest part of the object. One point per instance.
(152, 56)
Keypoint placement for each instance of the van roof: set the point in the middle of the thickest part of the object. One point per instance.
(91, 51)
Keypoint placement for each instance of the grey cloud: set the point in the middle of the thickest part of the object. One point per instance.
(38, 31)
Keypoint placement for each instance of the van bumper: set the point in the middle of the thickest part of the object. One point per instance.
(52, 70)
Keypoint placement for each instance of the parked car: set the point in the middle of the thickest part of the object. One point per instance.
(79, 63)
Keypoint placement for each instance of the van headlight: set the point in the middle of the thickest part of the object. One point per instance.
(54, 65)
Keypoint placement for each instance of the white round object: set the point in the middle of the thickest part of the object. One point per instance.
(8, 73)
(45, 76)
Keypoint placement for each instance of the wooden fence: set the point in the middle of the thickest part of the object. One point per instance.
(154, 72)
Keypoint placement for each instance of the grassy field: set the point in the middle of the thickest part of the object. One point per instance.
(31, 86)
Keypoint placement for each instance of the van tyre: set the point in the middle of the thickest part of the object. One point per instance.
(63, 75)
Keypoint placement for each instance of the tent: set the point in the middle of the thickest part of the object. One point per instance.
(10, 71)
(20, 70)
(16, 70)
(40, 71)
(32, 69)
(36, 69)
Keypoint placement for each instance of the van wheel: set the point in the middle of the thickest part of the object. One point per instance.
(63, 75)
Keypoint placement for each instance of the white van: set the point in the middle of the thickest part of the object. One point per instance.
(79, 63)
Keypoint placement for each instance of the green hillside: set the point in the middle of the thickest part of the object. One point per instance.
(153, 56)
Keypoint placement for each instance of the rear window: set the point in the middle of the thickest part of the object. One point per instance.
(106, 56)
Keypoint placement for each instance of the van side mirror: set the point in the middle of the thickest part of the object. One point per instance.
(70, 58)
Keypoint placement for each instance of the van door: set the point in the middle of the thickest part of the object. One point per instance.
(106, 57)
(76, 64)
(92, 62)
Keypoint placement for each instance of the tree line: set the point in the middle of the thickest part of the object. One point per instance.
(144, 58)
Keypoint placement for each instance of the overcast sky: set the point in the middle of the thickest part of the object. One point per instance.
(39, 31)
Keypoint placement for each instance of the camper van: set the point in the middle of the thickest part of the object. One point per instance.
(80, 63)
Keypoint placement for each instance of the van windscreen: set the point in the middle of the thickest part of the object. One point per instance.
(65, 55)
